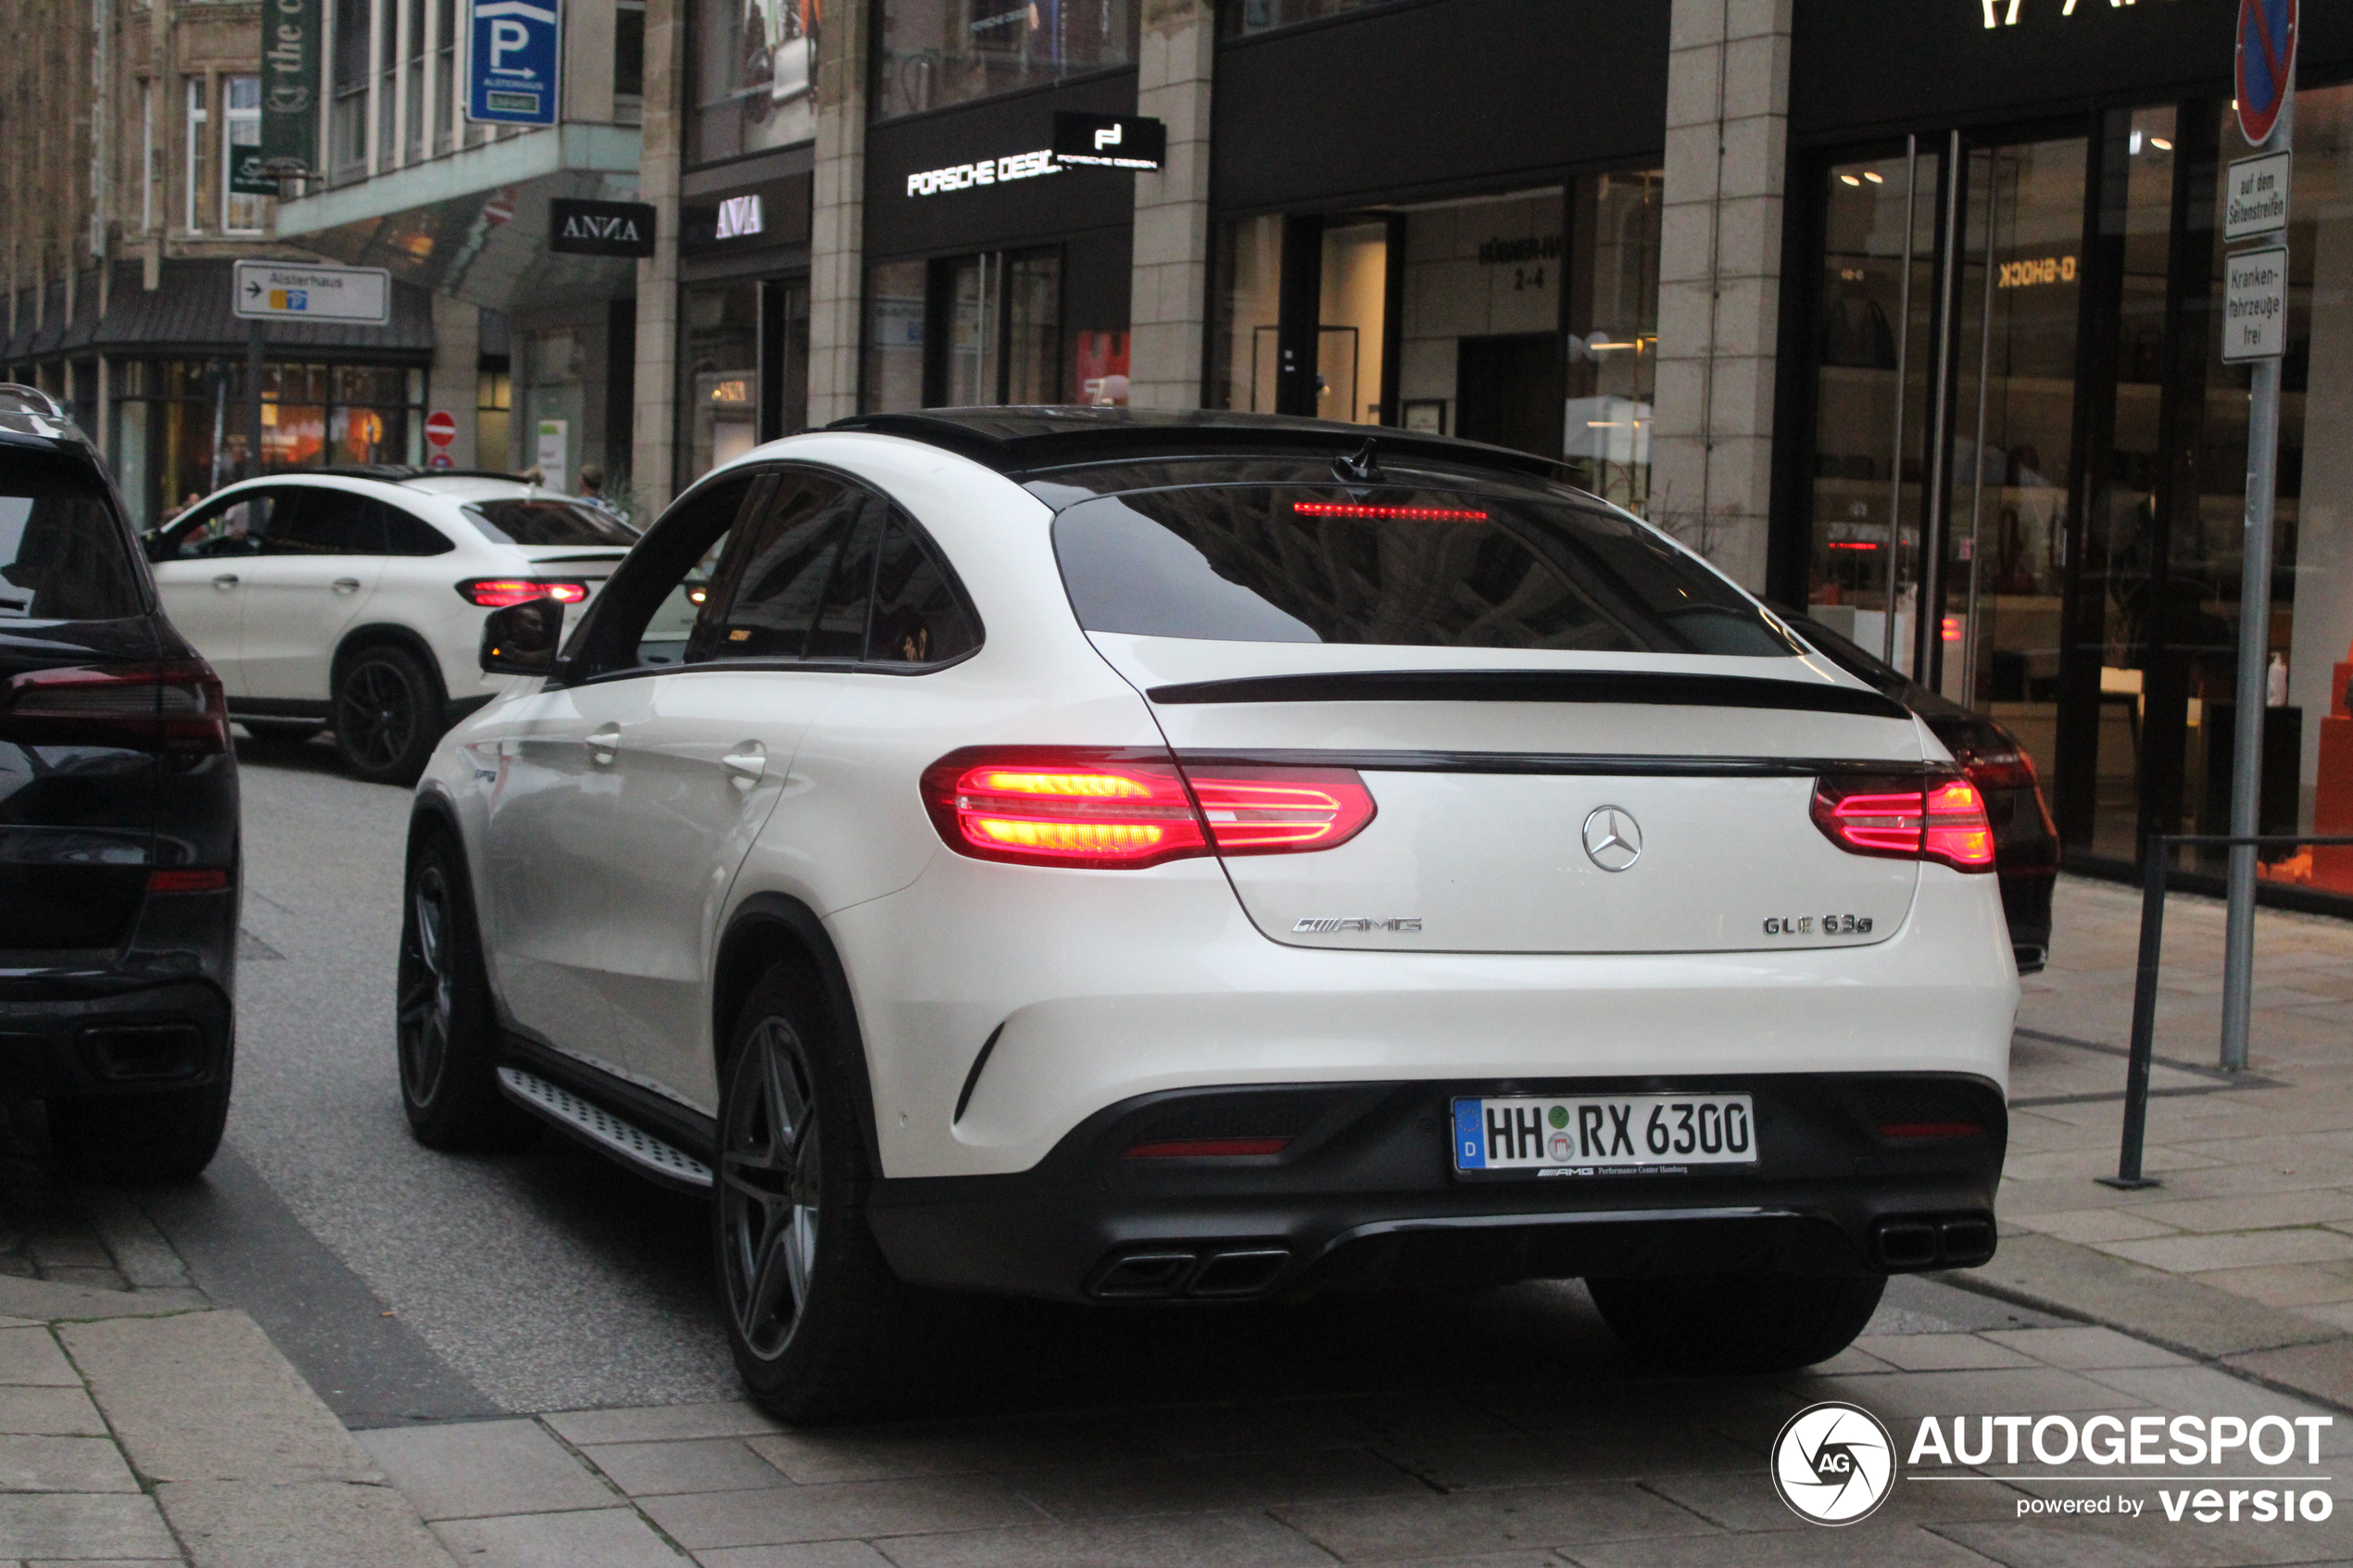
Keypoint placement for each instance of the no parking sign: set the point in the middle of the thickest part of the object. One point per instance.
(2266, 65)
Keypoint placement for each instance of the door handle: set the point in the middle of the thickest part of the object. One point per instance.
(745, 764)
(604, 742)
(225, 582)
(347, 585)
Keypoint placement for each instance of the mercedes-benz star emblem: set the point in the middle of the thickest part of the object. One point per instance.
(1613, 839)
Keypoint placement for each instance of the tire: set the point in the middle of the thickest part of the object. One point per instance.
(387, 714)
(445, 1030)
(280, 732)
(166, 1137)
(1736, 1323)
(815, 1318)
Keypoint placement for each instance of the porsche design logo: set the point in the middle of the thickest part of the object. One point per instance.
(1613, 838)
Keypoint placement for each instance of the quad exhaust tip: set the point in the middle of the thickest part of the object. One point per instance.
(1909, 1242)
(1160, 1273)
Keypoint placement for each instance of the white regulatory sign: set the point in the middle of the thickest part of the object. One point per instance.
(2255, 305)
(286, 291)
(2255, 196)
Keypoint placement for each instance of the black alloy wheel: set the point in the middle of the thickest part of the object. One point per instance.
(443, 1026)
(772, 1182)
(387, 715)
(815, 1318)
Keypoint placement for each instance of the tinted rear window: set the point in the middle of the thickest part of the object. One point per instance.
(549, 522)
(63, 556)
(1394, 567)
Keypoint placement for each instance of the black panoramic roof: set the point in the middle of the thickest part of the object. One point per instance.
(1027, 440)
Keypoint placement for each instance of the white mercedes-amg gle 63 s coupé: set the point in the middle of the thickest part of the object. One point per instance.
(1137, 857)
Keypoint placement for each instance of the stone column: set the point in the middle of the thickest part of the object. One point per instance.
(654, 396)
(1169, 290)
(838, 216)
(452, 381)
(1719, 296)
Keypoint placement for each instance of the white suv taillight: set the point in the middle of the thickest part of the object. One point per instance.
(172, 705)
(1100, 810)
(497, 593)
(1938, 818)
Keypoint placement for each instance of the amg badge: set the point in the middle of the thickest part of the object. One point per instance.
(1319, 924)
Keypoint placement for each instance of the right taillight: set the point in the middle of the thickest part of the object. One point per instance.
(1097, 810)
(1939, 818)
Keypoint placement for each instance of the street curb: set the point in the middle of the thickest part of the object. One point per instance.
(2283, 1351)
(249, 1467)
(41, 1301)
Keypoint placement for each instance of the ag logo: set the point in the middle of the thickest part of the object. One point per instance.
(1833, 1463)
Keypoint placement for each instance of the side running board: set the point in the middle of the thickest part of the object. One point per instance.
(624, 1141)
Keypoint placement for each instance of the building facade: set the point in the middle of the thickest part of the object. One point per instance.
(1905, 312)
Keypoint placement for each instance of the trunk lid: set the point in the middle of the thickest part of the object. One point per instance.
(1486, 775)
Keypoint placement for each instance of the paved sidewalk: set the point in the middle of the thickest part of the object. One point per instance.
(2245, 1254)
(1522, 1438)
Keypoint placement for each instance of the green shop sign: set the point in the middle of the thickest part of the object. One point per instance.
(290, 34)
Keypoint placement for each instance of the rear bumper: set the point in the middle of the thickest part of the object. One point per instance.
(1364, 1194)
(92, 1037)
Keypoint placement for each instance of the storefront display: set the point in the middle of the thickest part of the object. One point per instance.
(2023, 456)
(936, 52)
(754, 70)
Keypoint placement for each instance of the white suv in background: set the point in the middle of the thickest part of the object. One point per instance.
(1115, 856)
(353, 599)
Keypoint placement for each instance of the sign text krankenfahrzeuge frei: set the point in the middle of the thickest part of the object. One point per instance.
(289, 94)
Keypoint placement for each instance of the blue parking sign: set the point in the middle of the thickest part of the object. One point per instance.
(515, 59)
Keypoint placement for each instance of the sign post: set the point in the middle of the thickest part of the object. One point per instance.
(302, 291)
(2254, 332)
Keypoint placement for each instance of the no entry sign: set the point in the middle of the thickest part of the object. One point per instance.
(441, 427)
(2266, 65)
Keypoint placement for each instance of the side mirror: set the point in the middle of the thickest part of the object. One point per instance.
(159, 550)
(520, 639)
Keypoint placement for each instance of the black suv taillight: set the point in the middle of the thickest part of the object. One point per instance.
(171, 704)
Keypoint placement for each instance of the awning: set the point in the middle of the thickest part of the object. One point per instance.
(188, 315)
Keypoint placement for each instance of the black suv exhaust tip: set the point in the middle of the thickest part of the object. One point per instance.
(144, 1053)
(1910, 1242)
(1161, 1273)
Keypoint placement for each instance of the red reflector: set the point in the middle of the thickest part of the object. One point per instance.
(1939, 818)
(1952, 628)
(1410, 514)
(173, 705)
(497, 593)
(191, 880)
(1929, 1129)
(1120, 810)
(1206, 1149)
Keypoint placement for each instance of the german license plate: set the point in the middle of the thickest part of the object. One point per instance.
(1604, 1136)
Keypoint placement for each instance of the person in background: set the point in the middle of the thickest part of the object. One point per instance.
(592, 490)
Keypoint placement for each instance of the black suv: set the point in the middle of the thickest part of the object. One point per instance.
(119, 862)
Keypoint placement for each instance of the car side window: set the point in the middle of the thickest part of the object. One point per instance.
(326, 523)
(409, 535)
(233, 525)
(775, 580)
(647, 613)
(919, 616)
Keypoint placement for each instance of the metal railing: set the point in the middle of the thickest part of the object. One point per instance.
(2153, 868)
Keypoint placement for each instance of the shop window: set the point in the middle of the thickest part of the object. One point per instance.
(753, 63)
(494, 405)
(892, 376)
(1259, 15)
(719, 367)
(935, 53)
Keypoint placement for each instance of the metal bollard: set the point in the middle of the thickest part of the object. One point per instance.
(2136, 1077)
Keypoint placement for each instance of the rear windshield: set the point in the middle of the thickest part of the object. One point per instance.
(63, 556)
(549, 522)
(1394, 567)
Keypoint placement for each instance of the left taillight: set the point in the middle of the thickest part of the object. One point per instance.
(497, 593)
(1123, 810)
(170, 705)
(1938, 818)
